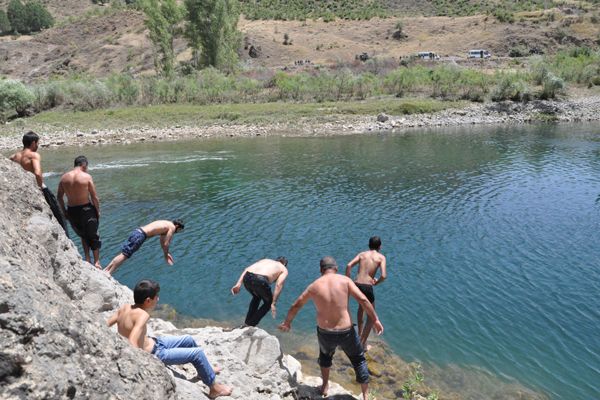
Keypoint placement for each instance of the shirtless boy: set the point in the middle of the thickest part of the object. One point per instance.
(83, 209)
(330, 295)
(368, 264)
(131, 323)
(257, 280)
(166, 230)
(31, 161)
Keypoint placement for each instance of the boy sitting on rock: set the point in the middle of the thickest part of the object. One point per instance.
(131, 322)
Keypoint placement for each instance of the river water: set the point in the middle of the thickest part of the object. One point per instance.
(491, 236)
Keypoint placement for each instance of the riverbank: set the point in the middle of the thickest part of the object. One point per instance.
(184, 122)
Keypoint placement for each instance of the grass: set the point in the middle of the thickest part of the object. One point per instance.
(190, 115)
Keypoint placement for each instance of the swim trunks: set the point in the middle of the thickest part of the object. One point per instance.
(367, 290)
(134, 242)
(84, 221)
(349, 341)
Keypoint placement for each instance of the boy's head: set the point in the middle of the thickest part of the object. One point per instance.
(178, 225)
(282, 260)
(328, 262)
(375, 243)
(82, 162)
(30, 140)
(146, 291)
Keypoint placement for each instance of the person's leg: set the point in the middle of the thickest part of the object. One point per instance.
(327, 346)
(96, 253)
(115, 263)
(359, 319)
(263, 289)
(252, 308)
(325, 377)
(354, 351)
(86, 250)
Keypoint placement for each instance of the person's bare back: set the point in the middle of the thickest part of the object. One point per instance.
(160, 227)
(330, 295)
(77, 185)
(368, 263)
(267, 267)
(128, 318)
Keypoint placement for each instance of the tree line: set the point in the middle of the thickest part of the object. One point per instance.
(23, 18)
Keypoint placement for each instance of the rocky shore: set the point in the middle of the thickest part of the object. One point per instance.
(574, 110)
(54, 340)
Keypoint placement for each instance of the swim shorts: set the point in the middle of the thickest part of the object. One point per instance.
(134, 242)
(367, 290)
(84, 221)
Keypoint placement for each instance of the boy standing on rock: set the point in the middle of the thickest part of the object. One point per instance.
(83, 209)
(30, 160)
(368, 264)
(131, 323)
(166, 230)
(257, 280)
(330, 295)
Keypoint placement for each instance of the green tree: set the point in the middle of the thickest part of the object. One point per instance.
(17, 16)
(162, 18)
(38, 17)
(5, 27)
(212, 32)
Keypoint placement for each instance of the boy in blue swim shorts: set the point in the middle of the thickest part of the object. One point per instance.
(166, 230)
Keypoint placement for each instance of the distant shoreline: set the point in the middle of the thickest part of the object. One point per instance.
(304, 123)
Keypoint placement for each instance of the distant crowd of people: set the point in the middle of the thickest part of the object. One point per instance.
(330, 293)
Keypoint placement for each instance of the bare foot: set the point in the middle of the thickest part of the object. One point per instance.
(218, 389)
(97, 265)
(217, 370)
(324, 389)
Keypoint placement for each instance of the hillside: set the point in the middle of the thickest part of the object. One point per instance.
(100, 40)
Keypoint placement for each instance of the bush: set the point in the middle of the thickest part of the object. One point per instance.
(15, 98)
(37, 16)
(552, 87)
(5, 27)
(17, 16)
(517, 51)
(511, 88)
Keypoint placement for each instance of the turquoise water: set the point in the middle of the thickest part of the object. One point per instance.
(491, 235)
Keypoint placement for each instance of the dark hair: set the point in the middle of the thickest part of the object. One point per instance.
(375, 243)
(29, 138)
(282, 260)
(144, 289)
(80, 161)
(328, 262)
(178, 224)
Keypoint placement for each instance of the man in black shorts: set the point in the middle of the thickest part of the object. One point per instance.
(369, 262)
(83, 209)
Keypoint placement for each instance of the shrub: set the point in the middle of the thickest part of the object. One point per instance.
(5, 27)
(511, 88)
(15, 98)
(37, 16)
(517, 51)
(552, 87)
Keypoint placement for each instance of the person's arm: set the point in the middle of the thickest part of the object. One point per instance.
(165, 242)
(137, 331)
(94, 196)
(366, 305)
(236, 288)
(113, 319)
(278, 287)
(286, 325)
(13, 157)
(352, 264)
(383, 274)
(37, 170)
(60, 193)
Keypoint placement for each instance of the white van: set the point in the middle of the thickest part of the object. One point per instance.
(428, 55)
(479, 54)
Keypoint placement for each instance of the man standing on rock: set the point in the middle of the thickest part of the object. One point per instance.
(330, 295)
(257, 280)
(166, 230)
(132, 322)
(31, 161)
(368, 264)
(83, 209)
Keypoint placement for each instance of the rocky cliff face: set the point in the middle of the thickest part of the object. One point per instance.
(54, 342)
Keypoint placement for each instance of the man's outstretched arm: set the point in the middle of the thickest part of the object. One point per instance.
(286, 325)
(37, 170)
(383, 274)
(278, 288)
(236, 288)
